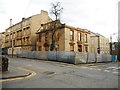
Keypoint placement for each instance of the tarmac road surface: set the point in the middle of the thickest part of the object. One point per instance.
(49, 74)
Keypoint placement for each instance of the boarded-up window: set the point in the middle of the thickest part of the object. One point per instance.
(71, 47)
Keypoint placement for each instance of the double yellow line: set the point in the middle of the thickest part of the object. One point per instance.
(19, 78)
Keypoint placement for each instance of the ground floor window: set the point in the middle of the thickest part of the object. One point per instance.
(71, 47)
(40, 48)
(79, 48)
(86, 48)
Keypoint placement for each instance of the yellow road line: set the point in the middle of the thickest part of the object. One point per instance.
(19, 78)
(32, 72)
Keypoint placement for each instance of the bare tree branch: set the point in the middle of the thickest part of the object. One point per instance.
(56, 10)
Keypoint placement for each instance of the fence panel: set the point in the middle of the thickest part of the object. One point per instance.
(91, 58)
(24, 54)
(31, 54)
(51, 55)
(109, 58)
(68, 57)
(80, 57)
(63, 56)
(99, 57)
(41, 55)
(106, 58)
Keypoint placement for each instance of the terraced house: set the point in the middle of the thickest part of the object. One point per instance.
(66, 38)
(22, 35)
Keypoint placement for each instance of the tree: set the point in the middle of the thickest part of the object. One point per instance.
(56, 10)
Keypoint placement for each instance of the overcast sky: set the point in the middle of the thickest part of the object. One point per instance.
(99, 16)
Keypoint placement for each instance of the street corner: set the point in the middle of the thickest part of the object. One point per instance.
(15, 73)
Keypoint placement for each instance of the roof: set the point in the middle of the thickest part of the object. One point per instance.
(42, 11)
(50, 26)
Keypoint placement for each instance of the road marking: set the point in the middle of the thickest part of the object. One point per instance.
(106, 71)
(11, 79)
(32, 72)
(115, 72)
(111, 68)
(19, 78)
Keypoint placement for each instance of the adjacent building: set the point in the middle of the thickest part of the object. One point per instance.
(66, 38)
(22, 35)
(99, 44)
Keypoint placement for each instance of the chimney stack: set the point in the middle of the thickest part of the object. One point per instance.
(10, 22)
(23, 18)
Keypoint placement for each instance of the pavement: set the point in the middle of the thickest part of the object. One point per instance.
(14, 73)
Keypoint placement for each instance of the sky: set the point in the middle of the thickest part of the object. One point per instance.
(99, 16)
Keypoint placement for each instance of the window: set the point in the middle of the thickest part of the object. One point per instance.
(71, 47)
(71, 35)
(27, 40)
(56, 36)
(23, 41)
(13, 42)
(85, 38)
(79, 48)
(79, 36)
(86, 49)
(46, 37)
(40, 48)
(40, 36)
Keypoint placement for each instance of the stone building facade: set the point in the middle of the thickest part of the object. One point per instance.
(99, 44)
(67, 38)
(22, 35)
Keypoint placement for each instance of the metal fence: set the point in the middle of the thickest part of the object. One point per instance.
(68, 57)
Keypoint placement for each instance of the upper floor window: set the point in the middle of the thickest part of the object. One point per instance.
(40, 36)
(46, 36)
(86, 38)
(71, 35)
(79, 36)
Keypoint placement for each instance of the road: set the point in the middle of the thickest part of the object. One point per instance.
(48, 74)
